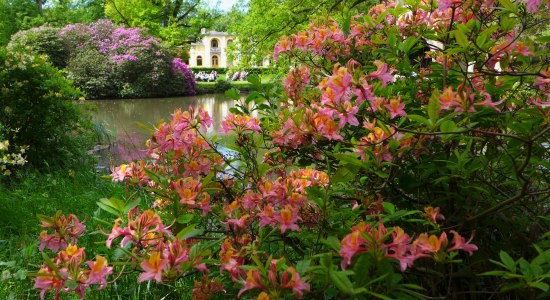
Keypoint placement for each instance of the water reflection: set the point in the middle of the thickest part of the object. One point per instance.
(123, 116)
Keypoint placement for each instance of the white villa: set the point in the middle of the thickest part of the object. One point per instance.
(211, 51)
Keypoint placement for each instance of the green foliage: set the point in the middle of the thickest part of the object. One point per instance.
(526, 276)
(39, 109)
(43, 40)
(175, 21)
(71, 190)
(93, 73)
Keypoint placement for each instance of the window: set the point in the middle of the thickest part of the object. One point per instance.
(199, 60)
(214, 61)
(214, 43)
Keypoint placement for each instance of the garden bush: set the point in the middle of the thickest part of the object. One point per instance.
(106, 61)
(44, 40)
(404, 157)
(39, 110)
(124, 62)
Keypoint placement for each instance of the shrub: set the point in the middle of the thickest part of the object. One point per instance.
(93, 73)
(222, 85)
(128, 62)
(39, 109)
(106, 61)
(44, 40)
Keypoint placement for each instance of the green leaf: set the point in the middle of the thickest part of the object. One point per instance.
(508, 261)
(189, 232)
(508, 5)
(345, 174)
(332, 242)
(389, 207)
(184, 219)
(461, 39)
(341, 281)
(233, 94)
(448, 126)
(106, 207)
(433, 106)
(409, 43)
(255, 80)
(539, 285)
(252, 96)
(543, 39)
(419, 119)
(350, 158)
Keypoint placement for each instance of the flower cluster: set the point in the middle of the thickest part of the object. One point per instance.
(66, 230)
(66, 273)
(275, 282)
(8, 159)
(402, 247)
(278, 203)
(240, 124)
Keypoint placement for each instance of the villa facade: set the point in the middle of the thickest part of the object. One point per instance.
(211, 51)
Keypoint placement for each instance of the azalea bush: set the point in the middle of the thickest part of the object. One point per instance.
(405, 150)
(104, 60)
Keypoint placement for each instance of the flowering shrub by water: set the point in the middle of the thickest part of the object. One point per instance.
(104, 60)
(406, 148)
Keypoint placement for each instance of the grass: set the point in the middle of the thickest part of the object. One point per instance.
(204, 87)
(34, 193)
(72, 192)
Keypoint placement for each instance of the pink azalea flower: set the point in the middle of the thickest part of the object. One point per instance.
(339, 82)
(298, 285)
(121, 172)
(460, 243)
(253, 281)
(433, 214)
(447, 99)
(396, 107)
(532, 5)
(98, 271)
(287, 218)
(281, 46)
(381, 73)
(240, 222)
(487, 102)
(267, 216)
(351, 244)
(153, 268)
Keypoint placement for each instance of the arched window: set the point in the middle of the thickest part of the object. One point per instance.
(199, 60)
(214, 61)
(229, 41)
(214, 43)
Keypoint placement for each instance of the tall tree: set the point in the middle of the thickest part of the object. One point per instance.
(155, 14)
(264, 21)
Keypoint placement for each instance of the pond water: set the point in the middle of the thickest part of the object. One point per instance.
(121, 117)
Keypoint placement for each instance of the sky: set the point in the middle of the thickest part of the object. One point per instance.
(224, 5)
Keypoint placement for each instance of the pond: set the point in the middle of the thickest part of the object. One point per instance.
(122, 118)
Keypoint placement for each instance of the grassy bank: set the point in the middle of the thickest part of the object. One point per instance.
(72, 192)
(221, 85)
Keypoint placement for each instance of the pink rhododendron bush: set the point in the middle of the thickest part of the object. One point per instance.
(404, 156)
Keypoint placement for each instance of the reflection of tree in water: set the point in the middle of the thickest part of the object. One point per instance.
(122, 117)
(129, 147)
